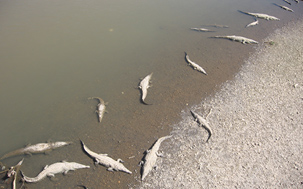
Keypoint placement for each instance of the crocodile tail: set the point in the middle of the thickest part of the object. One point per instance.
(164, 138)
(28, 179)
(145, 102)
(244, 12)
(98, 98)
(13, 153)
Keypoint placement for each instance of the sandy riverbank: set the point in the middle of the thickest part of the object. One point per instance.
(257, 123)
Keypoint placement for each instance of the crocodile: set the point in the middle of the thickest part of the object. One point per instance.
(106, 161)
(252, 24)
(37, 148)
(202, 122)
(101, 107)
(287, 2)
(144, 85)
(261, 15)
(217, 26)
(194, 65)
(51, 170)
(201, 29)
(150, 157)
(284, 7)
(241, 39)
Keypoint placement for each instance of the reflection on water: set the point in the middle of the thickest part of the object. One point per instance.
(56, 54)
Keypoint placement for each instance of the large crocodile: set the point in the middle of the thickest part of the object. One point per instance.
(261, 15)
(37, 148)
(150, 157)
(100, 107)
(144, 85)
(51, 170)
(107, 161)
(241, 39)
(202, 122)
(194, 65)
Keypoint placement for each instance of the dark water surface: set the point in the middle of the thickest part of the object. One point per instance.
(55, 54)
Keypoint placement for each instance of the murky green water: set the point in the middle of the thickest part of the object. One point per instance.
(55, 54)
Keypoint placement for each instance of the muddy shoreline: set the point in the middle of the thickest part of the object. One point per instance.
(257, 123)
(131, 127)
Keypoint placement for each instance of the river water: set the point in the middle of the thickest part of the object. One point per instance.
(54, 55)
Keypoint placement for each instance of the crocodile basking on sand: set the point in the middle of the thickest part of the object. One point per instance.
(194, 65)
(150, 157)
(104, 159)
(37, 148)
(261, 15)
(100, 107)
(241, 39)
(202, 122)
(51, 170)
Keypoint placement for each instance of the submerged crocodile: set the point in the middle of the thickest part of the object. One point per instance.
(194, 65)
(101, 107)
(261, 15)
(144, 85)
(202, 122)
(241, 39)
(107, 161)
(202, 29)
(217, 26)
(51, 170)
(150, 157)
(37, 148)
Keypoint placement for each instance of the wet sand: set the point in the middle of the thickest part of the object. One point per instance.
(257, 126)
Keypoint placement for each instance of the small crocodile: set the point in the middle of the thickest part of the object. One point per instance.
(107, 161)
(202, 122)
(51, 170)
(194, 65)
(287, 2)
(252, 24)
(284, 7)
(101, 107)
(261, 15)
(37, 148)
(241, 39)
(217, 26)
(201, 29)
(144, 85)
(150, 157)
